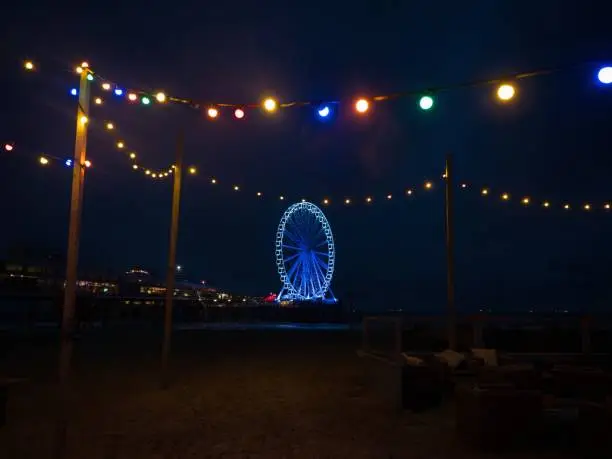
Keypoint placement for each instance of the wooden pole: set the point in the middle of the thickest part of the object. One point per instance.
(74, 232)
(171, 269)
(450, 246)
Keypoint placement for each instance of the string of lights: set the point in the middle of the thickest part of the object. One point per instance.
(504, 196)
(121, 146)
(44, 159)
(428, 186)
(505, 92)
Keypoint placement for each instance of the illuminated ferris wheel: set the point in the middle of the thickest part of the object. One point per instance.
(305, 254)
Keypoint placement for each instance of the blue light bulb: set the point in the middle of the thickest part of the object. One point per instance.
(68, 162)
(324, 111)
(118, 92)
(605, 75)
(74, 91)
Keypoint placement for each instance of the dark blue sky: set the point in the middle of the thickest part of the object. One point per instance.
(553, 142)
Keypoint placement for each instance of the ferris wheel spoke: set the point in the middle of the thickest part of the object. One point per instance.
(323, 254)
(297, 224)
(311, 278)
(318, 276)
(322, 264)
(292, 257)
(291, 236)
(292, 270)
(309, 286)
(291, 247)
(320, 273)
(299, 280)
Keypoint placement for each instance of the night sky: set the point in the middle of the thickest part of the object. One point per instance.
(552, 142)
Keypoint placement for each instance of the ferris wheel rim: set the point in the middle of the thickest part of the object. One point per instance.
(323, 279)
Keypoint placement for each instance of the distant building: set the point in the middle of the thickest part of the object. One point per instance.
(32, 271)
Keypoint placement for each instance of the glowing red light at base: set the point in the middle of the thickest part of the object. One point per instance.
(271, 298)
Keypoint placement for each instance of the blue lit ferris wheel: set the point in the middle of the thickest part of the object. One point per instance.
(305, 254)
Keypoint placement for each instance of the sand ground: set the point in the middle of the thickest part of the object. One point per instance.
(299, 394)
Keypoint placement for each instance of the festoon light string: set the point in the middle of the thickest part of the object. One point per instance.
(505, 92)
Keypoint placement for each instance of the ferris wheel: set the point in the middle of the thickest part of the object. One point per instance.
(305, 254)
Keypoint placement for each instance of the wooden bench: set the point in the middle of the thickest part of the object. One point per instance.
(5, 384)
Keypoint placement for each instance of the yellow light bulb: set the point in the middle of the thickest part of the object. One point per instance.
(282, 198)
(587, 207)
(44, 161)
(236, 188)
(525, 200)
(259, 193)
(98, 100)
(84, 119)
(270, 104)
(546, 204)
(120, 145)
(389, 196)
(484, 192)
(326, 201)
(79, 70)
(132, 96)
(368, 199)
(148, 172)
(428, 185)
(132, 155)
(135, 166)
(566, 206)
(505, 92)
(607, 206)
(464, 185)
(85, 64)
(110, 126)
(505, 196)
(362, 106)
(408, 192)
(87, 163)
(154, 175)
(213, 181)
(212, 112)
(347, 201)
(28, 65)
(161, 97)
(192, 170)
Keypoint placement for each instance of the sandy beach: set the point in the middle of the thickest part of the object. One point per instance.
(255, 394)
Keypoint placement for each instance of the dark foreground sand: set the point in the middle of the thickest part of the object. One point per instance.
(269, 394)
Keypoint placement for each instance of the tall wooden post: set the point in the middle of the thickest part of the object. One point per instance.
(74, 233)
(171, 269)
(450, 259)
